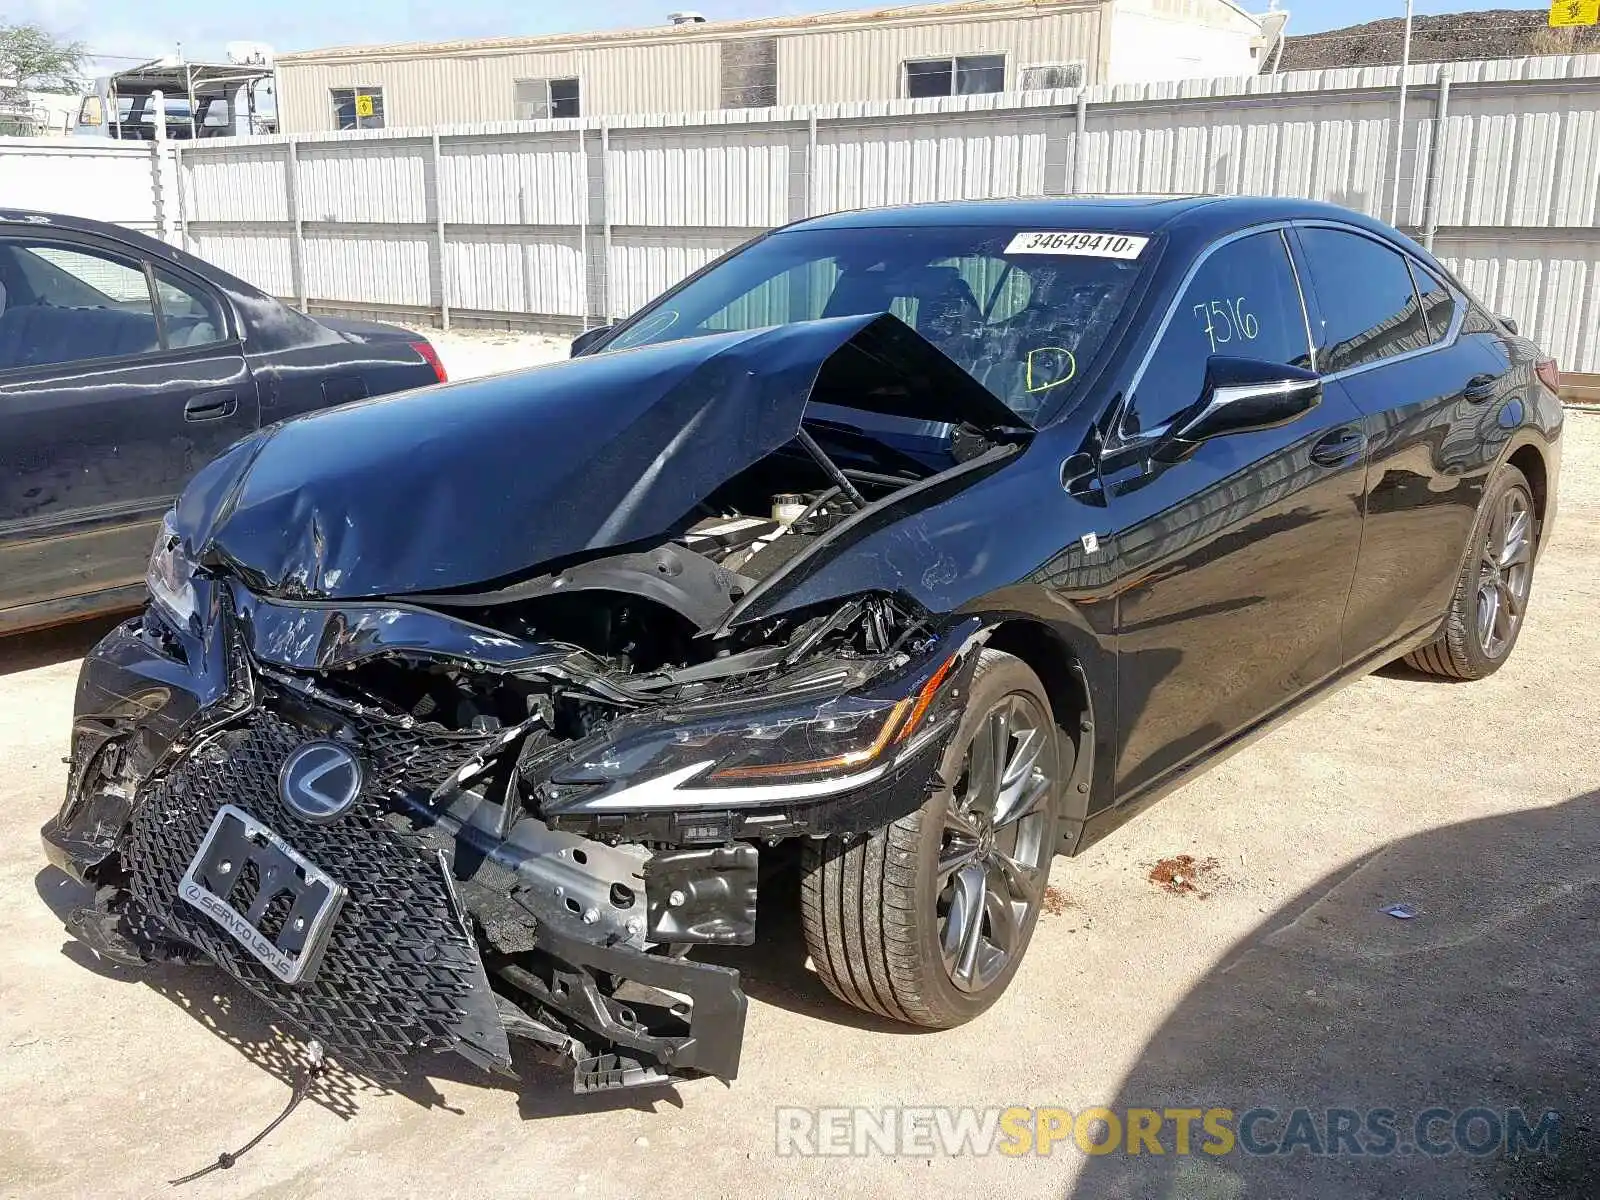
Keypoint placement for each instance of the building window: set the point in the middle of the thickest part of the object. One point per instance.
(1045, 76)
(358, 108)
(970, 75)
(749, 72)
(537, 99)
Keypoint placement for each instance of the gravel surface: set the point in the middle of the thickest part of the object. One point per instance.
(1275, 980)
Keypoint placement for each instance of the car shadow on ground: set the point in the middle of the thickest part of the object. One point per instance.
(60, 643)
(1486, 998)
(227, 1009)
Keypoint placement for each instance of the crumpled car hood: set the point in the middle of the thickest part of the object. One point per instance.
(467, 483)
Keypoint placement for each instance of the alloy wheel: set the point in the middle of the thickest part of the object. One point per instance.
(1505, 573)
(993, 854)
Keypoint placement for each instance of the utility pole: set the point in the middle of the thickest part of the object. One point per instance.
(1400, 122)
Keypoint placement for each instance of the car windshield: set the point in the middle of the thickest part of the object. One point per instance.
(1026, 312)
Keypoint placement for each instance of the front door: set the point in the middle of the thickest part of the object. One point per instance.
(118, 380)
(1233, 565)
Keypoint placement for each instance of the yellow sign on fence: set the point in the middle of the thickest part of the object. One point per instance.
(364, 103)
(1574, 12)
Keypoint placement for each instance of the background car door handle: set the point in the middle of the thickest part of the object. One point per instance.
(211, 406)
(1339, 447)
(1480, 388)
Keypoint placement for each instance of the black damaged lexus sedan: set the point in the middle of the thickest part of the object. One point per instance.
(909, 548)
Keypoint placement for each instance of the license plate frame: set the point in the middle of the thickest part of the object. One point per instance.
(236, 838)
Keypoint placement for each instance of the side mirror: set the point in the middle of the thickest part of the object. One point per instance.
(588, 338)
(1241, 395)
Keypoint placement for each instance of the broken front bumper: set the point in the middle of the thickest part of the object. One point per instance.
(457, 927)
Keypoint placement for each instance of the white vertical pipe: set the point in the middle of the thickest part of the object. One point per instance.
(1400, 122)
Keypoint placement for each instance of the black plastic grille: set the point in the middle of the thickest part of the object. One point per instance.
(399, 964)
(418, 757)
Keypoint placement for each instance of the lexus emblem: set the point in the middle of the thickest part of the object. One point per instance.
(320, 781)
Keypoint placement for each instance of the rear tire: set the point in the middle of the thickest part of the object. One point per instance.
(966, 872)
(1491, 596)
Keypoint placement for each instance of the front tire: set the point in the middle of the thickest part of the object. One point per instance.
(1491, 596)
(927, 919)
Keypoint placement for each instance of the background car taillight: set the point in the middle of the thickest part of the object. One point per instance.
(1549, 374)
(431, 357)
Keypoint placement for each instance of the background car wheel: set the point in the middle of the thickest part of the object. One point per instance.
(927, 919)
(1491, 596)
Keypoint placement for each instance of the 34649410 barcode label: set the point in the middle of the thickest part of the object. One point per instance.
(1091, 245)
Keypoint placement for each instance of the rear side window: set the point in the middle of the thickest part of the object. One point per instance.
(1438, 302)
(1243, 302)
(190, 315)
(64, 303)
(1369, 307)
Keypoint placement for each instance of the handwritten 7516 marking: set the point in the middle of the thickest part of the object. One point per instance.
(1227, 321)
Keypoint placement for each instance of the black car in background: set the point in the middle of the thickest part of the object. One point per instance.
(125, 366)
(910, 547)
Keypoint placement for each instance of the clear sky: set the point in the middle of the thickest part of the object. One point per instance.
(153, 28)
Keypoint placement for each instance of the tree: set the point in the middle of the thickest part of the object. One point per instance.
(34, 60)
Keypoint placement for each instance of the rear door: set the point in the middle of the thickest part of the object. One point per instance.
(118, 380)
(1233, 565)
(1390, 338)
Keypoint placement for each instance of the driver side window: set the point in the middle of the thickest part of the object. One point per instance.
(1243, 303)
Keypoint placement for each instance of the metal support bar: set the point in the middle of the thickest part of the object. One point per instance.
(183, 204)
(811, 164)
(194, 121)
(297, 243)
(438, 231)
(1080, 156)
(605, 225)
(587, 268)
(831, 469)
(1436, 159)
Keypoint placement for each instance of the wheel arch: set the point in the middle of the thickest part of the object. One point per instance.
(1528, 459)
(1067, 683)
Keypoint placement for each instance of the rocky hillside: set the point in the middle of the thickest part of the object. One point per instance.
(1499, 33)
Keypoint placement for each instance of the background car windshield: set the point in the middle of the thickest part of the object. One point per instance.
(1028, 326)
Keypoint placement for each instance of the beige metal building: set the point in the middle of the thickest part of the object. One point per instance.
(690, 64)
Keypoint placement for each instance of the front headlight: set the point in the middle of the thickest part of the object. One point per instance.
(171, 576)
(784, 753)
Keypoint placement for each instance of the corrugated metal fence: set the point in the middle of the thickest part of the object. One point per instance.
(126, 183)
(560, 224)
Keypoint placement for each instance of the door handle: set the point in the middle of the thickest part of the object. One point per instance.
(1480, 388)
(1339, 447)
(211, 406)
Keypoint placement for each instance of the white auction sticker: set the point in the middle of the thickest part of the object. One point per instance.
(1091, 245)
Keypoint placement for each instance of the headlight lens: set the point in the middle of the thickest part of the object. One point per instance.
(846, 736)
(171, 576)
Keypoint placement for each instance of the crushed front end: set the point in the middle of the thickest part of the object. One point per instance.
(468, 714)
(409, 832)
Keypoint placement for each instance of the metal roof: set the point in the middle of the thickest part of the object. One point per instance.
(179, 77)
(920, 14)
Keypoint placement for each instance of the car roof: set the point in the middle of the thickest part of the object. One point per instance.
(1204, 215)
(21, 220)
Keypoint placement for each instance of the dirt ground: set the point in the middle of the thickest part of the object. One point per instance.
(1269, 976)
